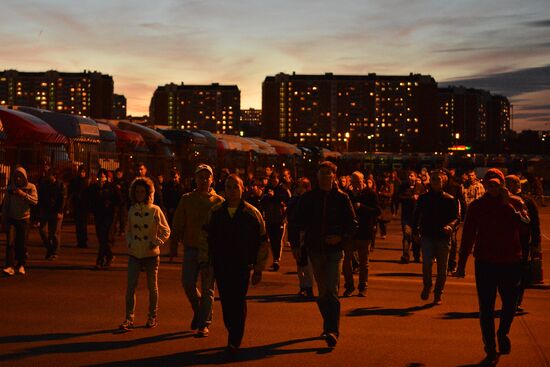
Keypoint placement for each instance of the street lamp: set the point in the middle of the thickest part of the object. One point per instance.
(347, 141)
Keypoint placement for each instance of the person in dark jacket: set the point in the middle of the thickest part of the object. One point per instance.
(77, 190)
(123, 187)
(327, 218)
(493, 227)
(453, 188)
(51, 206)
(237, 242)
(104, 203)
(296, 239)
(367, 209)
(409, 192)
(172, 191)
(435, 218)
(530, 239)
(274, 205)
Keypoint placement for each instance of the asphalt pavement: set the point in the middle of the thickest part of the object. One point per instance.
(63, 313)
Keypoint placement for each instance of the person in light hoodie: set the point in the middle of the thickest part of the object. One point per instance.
(147, 230)
(16, 215)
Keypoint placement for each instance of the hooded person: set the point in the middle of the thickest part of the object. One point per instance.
(148, 229)
(16, 214)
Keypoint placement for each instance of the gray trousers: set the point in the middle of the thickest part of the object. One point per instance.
(151, 267)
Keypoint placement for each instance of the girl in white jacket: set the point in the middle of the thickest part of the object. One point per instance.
(147, 230)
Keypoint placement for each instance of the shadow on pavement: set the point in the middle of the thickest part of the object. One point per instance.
(86, 347)
(53, 336)
(219, 356)
(60, 267)
(416, 275)
(290, 298)
(385, 261)
(379, 311)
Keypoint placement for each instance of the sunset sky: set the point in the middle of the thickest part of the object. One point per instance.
(499, 45)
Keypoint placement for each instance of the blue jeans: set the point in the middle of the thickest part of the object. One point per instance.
(201, 301)
(151, 267)
(327, 268)
(437, 248)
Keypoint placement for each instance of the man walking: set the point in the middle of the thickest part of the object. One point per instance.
(492, 228)
(190, 217)
(51, 205)
(435, 218)
(327, 218)
(78, 189)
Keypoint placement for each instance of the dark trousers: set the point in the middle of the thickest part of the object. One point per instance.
(50, 239)
(362, 248)
(275, 233)
(453, 251)
(122, 218)
(233, 286)
(383, 229)
(103, 228)
(489, 278)
(17, 232)
(81, 224)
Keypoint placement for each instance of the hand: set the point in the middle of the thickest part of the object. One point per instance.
(459, 273)
(19, 192)
(448, 230)
(256, 277)
(152, 245)
(333, 239)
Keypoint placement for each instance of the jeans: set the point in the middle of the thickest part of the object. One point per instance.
(17, 232)
(437, 248)
(275, 233)
(201, 302)
(489, 278)
(51, 238)
(327, 267)
(151, 267)
(362, 248)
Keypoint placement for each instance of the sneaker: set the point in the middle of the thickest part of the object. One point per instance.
(309, 292)
(331, 339)
(8, 271)
(275, 266)
(203, 332)
(425, 293)
(348, 292)
(504, 344)
(126, 325)
(383, 237)
(151, 322)
(362, 293)
(21, 270)
(405, 259)
(519, 309)
(109, 261)
(232, 350)
(437, 299)
(490, 360)
(52, 257)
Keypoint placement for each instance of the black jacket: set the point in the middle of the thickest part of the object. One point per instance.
(321, 213)
(51, 198)
(367, 209)
(104, 200)
(433, 212)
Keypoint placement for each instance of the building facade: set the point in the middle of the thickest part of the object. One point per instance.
(214, 107)
(119, 107)
(88, 94)
(357, 113)
(251, 122)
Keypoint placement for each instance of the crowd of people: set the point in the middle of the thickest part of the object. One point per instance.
(229, 224)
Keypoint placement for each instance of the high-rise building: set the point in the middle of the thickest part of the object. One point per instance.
(87, 94)
(358, 112)
(119, 107)
(251, 122)
(214, 107)
(473, 117)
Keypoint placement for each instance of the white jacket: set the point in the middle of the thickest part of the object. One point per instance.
(147, 230)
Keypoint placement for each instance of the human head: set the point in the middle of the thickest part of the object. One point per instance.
(303, 185)
(513, 183)
(412, 176)
(472, 176)
(142, 169)
(274, 179)
(204, 176)
(142, 190)
(82, 171)
(234, 188)
(494, 181)
(102, 175)
(357, 180)
(438, 180)
(326, 175)
(119, 173)
(175, 175)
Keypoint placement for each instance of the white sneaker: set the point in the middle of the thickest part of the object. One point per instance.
(21, 270)
(8, 271)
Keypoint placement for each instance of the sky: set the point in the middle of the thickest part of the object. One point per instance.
(499, 45)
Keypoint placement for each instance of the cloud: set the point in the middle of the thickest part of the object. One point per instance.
(539, 23)
(509, 83)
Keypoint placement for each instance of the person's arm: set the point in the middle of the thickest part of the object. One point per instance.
(32, 196)
(163, 229)
(180, 218)
(469, 233)
(534, 227)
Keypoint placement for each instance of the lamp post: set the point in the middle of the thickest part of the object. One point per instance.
(347, 141)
